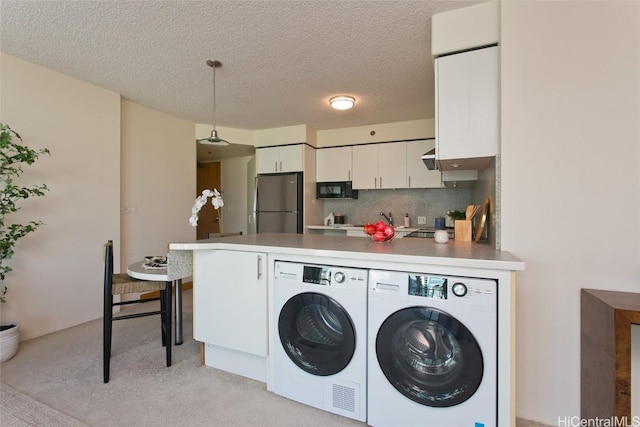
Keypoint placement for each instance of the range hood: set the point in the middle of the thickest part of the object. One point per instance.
(472, 163)
(450, 178)
(429, 159)
(460, 178)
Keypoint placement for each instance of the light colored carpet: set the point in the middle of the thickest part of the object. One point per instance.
(19, 410)
(63, 370)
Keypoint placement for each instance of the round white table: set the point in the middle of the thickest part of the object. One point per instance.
(137, 271)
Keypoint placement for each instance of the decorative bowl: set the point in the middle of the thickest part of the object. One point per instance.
(386, 239)
(379, 232)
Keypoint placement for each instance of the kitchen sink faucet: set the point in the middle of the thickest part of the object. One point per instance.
(388, 218)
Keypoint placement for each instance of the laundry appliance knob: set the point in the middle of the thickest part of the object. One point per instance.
(459, 289)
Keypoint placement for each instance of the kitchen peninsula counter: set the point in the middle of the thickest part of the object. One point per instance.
(421, 251)
(234, 287)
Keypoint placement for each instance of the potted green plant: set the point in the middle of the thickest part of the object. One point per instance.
(456, 215)
(13, 156)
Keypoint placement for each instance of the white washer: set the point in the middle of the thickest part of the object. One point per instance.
(432, 350)
(319, 347)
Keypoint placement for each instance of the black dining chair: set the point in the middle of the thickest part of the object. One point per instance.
(117, 284)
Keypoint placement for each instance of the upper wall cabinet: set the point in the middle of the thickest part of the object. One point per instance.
(334, 164)
(380, 166)
(467, 113)
(286, 158)
(418, 176)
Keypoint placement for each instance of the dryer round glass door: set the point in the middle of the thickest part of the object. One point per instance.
(429, 356)
(316, 333)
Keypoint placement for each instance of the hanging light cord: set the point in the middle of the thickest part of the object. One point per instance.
(213, 139)
(214, 65)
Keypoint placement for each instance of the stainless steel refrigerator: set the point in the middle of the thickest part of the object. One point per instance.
(278, 203)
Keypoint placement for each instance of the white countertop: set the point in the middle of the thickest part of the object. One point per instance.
(454, 253)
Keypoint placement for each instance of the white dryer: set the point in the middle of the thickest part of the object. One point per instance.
(319, 347)
(432, 350)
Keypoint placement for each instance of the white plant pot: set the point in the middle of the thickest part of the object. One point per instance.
(9, 341)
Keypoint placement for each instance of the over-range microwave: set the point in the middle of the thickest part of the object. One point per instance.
(335, 190)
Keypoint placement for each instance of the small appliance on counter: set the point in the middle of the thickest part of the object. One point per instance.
(329, 219)
(334, 219)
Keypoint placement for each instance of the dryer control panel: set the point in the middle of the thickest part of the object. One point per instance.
(441, 290)
(323, 275)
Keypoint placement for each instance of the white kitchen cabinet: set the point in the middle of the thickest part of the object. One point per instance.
(334, 164)
(377, 166)
(418, 176)
(365, 166)
(286, 158)
(467, 109)
(230, 300)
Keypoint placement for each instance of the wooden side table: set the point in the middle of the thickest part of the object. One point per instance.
(605, 352)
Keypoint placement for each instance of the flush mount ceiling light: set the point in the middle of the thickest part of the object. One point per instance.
(342, 102)
(213, 139)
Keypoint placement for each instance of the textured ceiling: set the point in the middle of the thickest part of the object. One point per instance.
(281, 60)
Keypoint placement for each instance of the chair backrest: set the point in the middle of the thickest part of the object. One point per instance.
(108, 262)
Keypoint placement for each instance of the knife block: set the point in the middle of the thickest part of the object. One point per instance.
(463, 230)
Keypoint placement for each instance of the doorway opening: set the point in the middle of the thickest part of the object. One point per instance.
(208, 176)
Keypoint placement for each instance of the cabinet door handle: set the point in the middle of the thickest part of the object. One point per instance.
(375, 182)
(259, 267)
(275, 164)
(380, 182)
(409, 177)
(280, 165)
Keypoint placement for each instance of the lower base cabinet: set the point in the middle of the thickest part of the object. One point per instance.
(230, 300)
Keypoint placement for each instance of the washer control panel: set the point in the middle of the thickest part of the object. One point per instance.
(323, 275)
(329, 275)
(434, 289)
(447, 287)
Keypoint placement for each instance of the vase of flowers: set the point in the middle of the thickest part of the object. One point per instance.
(216, 201)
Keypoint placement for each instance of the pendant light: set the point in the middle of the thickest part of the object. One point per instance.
(213, 139)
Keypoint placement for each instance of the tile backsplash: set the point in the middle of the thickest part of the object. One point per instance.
(430, 203)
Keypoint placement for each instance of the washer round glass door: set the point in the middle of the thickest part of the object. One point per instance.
(429, 356)
(316, 333)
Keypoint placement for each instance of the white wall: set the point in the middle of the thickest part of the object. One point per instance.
(280, 136)
(57, 277)
(237, 183)
(395, 131)
(570, 179)
(159, 180)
